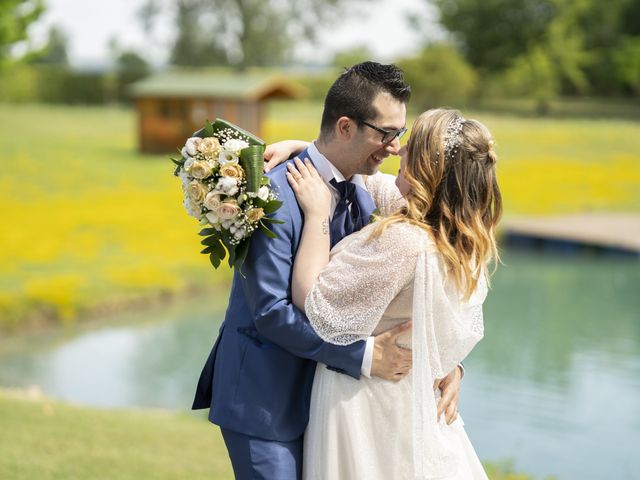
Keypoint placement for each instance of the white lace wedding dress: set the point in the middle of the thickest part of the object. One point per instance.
(370, 428)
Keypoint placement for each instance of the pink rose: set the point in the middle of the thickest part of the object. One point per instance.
(228, 210)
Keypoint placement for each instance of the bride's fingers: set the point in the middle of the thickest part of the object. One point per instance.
(302, 168)
(293, 171)
(451, 414)
(293, 182)
(311, 168)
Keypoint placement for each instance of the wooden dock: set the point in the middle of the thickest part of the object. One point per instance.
(617, 232)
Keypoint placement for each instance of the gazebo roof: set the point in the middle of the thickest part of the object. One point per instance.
(241, 86)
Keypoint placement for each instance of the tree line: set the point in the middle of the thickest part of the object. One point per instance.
(538, 49)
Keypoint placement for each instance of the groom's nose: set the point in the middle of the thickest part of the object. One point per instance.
(393, 147)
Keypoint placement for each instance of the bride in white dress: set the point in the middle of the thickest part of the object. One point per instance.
(425, 260)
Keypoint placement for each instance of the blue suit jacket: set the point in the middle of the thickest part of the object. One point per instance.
(258, 377)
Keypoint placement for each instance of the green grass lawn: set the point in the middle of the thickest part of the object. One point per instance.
(88, 222)
(46, 440)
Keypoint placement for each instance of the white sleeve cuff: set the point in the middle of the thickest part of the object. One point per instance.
(368, 358)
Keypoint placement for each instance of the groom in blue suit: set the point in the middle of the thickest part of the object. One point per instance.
(258, 377)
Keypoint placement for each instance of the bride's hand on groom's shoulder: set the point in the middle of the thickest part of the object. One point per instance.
(311, 190)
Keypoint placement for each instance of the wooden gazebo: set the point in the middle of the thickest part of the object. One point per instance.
(172, 105)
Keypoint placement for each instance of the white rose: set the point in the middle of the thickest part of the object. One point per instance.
(184, 152)
(188, 162)
(263, 193)
(196, 191)
(235, 145)
(200, 170)
(227, 157)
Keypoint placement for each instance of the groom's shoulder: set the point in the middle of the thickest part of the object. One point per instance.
(279, 172)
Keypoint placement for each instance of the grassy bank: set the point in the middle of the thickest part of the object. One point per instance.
(90, 225)
(47, 440)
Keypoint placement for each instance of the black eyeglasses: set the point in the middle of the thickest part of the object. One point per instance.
(388, 136)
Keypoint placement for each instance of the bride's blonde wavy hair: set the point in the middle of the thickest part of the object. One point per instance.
(454, 192)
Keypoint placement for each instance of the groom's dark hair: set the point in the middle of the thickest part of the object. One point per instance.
(353, 92)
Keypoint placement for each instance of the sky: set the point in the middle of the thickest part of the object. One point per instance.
(91, 25)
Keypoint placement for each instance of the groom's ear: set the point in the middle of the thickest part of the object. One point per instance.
(345, 128)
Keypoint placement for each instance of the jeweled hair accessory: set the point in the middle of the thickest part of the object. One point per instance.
(452, 137)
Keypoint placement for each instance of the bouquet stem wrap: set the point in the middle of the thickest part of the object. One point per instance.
(252, 162)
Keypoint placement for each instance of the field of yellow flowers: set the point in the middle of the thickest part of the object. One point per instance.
(88, 222)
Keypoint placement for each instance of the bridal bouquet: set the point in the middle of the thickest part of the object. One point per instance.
(224, 188)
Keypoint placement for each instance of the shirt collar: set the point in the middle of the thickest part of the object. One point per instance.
(327, 170)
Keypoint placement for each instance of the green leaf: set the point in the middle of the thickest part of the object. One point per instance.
(177, 171)
(226, 239)
(208, 129)
(272, 206)
(232, 255)
(205, 232)
(207, 250)
(272, 220)
(210, 241)
(241, 255)
(215, 260)
(265, 181)
(220, 250)
(266, 230)
(177, 162)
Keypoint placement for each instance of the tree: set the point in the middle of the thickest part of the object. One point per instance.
(439, 76)
(491, 33)
(130, 67)
(242, 33)
(627, 64)
(15, 18)
(575, 42)
(194, 45)
(54, 52)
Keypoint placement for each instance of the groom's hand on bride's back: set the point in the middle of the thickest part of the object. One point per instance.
(390, 361)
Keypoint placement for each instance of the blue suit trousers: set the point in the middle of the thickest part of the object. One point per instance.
(257, 459)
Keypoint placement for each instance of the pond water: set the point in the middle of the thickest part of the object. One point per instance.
(553, 389)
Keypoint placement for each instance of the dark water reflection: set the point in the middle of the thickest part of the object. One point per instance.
(554, 386)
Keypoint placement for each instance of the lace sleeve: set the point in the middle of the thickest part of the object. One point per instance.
(385, 194)
(364, 275)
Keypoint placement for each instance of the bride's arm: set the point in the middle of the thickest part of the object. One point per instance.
(312, 256)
